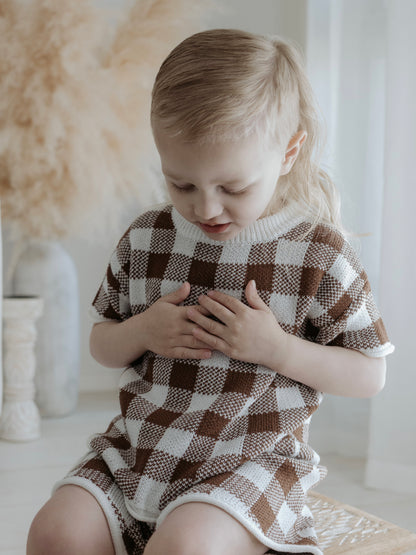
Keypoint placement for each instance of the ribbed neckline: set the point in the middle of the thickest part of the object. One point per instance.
(262, 230)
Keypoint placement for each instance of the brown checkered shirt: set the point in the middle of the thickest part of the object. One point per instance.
(223, 431)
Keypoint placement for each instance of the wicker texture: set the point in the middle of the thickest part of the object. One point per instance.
(343, 529)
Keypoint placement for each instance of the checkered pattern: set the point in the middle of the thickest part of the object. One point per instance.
(129, 535)
(230, 433)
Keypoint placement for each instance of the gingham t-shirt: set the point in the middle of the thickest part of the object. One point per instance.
(219, 430)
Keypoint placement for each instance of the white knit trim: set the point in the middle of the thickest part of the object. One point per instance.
(116, 536)
(95, 318)
(104, 503)
(379, 352)
(264, 229)
(208, 498)
(140, 513)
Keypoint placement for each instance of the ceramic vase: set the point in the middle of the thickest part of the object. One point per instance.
(45, 269)
(20, 419)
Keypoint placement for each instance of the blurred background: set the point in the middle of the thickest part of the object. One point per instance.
(361, 60)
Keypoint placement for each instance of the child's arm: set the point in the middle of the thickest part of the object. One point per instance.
(253, 334)
(331, 369)
(163, 328)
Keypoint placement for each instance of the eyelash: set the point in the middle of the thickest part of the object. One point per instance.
(188, 188)
(182, 189)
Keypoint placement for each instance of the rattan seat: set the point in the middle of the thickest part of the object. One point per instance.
(343, 529)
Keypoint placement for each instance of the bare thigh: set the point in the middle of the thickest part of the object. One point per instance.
(204, 529)
(71, 522)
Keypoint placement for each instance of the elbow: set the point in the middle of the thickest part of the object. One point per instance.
(101, 346)
(375, 389)
(96, 345)
(377, 377)
(92, 343)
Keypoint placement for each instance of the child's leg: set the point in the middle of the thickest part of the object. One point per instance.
(202, 528)
(70, 523)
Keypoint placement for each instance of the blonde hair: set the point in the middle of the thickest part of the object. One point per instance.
(226, 84)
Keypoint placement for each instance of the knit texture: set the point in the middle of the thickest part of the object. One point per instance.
(227, 432)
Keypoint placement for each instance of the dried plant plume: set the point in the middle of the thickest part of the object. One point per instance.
(75, 138)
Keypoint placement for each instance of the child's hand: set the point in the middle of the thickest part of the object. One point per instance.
(247, 333)
(168, 331)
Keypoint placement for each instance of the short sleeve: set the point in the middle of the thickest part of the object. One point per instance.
(343, 312)
(112, 299)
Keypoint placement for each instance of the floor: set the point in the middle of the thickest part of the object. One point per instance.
(28, 471)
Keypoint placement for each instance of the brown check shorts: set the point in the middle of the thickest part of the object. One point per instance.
(130, 536)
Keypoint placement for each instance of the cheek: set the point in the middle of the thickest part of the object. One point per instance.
(251, 208)
(179, 200)
(180, 206)
(262, 197)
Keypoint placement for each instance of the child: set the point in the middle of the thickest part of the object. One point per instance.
(232, 309)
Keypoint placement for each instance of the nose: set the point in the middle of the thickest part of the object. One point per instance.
(207, 208)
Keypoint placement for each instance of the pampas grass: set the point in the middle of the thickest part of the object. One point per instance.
(75, 138)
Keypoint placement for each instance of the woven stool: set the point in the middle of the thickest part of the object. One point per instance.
(343, 529)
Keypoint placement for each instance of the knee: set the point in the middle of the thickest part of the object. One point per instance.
(71, 523)
(42, 534)
(182, 542)
(51, 533)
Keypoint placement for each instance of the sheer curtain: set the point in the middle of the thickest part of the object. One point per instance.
(392, 449)
(362, 62)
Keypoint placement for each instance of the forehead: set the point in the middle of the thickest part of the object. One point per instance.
(181, 159)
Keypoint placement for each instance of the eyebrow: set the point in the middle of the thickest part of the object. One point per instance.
(176, 178)
(168, 174)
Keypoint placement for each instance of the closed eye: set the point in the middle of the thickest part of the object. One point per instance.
(246, 189)
(188, 187)
(183, 188)
(228, 192)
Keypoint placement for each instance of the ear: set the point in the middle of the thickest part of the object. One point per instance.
(292, 151)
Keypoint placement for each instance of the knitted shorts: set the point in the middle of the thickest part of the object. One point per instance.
(130, 536)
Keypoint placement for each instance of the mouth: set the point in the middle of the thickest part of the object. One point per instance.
(218, 228)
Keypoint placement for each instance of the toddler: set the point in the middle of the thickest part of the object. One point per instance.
(233, 309)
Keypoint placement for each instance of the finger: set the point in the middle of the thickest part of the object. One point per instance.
(216, 309)
(214, 342)
(233, 304)
(179, 295)
(253, 298)
(200, 309)
(209, 325)
(192, 342)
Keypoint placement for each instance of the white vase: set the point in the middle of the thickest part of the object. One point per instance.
(20, 419)
(45, 269)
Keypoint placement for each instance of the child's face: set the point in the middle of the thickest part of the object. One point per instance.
(221, 188)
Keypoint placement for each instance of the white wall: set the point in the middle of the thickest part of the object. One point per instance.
(281, 17)
(1, 317)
